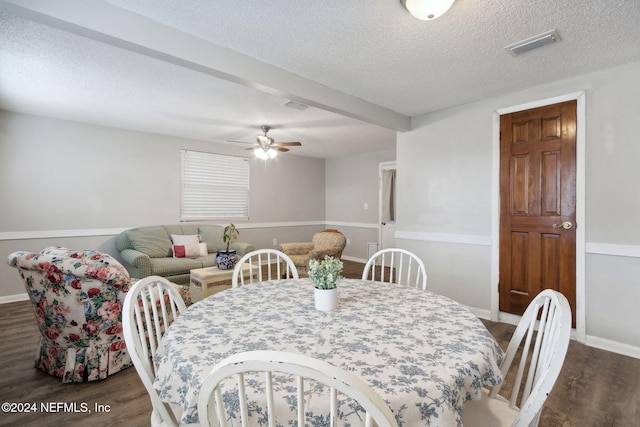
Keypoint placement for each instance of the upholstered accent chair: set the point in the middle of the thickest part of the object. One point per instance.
(327, 242)
(77, 298)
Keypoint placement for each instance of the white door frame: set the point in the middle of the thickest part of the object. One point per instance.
(382, 166)
(580, 208)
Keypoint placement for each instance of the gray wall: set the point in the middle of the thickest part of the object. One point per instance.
(445, 169)
(352, 181)
(78, 185)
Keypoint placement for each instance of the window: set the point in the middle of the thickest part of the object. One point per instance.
(214, 186)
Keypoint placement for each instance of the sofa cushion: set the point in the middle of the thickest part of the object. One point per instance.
(153, 241)
(212, 235)
(172, 266)
(208, 261)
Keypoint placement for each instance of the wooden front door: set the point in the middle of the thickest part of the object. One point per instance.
(537, 205)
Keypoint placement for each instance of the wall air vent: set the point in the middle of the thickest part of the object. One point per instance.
(533, 42)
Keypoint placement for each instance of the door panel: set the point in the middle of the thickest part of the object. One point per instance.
(537, 192)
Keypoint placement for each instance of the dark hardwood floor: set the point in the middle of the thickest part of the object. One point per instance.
(596, 388)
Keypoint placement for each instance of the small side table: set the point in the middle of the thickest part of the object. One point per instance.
(208, 281)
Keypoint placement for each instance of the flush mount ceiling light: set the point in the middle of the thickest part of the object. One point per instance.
(427, 10)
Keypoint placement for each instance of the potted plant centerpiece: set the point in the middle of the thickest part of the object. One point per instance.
(324, 275)
(226, 260)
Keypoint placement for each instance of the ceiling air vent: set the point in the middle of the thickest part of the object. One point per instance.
(533, 42)
(295, 105)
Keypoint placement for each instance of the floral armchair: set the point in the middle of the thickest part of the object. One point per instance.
(327, 242)
(77, 299)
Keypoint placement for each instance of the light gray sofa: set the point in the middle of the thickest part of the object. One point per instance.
(147, 251)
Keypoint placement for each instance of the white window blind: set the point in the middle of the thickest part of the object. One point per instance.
(214, 186)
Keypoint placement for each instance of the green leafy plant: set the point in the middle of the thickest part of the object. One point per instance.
(230, 234)
(325, 273)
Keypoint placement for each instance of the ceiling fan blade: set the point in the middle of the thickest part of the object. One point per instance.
(275, 147)
(288, 144)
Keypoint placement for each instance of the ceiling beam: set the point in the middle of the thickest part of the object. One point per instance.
(104, 22)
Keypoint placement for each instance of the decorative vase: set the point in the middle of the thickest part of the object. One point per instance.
(226, 260)
(326, 299)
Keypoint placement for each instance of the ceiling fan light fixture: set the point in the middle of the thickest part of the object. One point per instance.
(426, 10)
(265, 153)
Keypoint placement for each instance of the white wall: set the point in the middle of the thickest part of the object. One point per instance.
(445, 200)
(78, 185)
(352, 181)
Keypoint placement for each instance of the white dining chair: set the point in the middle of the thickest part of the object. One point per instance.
(149, 308)
(212, 407)
(404, 268)
(275, 264)
(547, 324)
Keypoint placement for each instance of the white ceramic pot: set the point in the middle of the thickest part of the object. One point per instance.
(326, 299)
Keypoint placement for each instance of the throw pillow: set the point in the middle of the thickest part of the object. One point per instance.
(153, 241)
(203, 249)
(179, 239)
(182, 251)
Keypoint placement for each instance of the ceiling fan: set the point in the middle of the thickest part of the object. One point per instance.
(266, 147)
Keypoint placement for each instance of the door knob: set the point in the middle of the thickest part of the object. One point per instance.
(566, 225)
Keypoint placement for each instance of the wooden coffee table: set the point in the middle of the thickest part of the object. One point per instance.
(210, 280)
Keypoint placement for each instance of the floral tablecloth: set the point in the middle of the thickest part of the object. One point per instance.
(423, 353)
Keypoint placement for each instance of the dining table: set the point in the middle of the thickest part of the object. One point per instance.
(423, 353)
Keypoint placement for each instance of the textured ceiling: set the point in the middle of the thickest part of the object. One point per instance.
(369, 61)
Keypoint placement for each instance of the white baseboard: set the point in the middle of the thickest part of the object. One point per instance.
(480, 312)
(14, 298)
(591, 341)
(613, 346)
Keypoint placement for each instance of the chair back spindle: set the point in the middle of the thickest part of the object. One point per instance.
(151, 305)
(264, 264)
(396, 265)
(304, 370)
(541, 340)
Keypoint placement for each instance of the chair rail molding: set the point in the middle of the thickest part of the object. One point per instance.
(597, 248)
(466, 239)
(48, 234)
(613, 249)
(352, 224)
